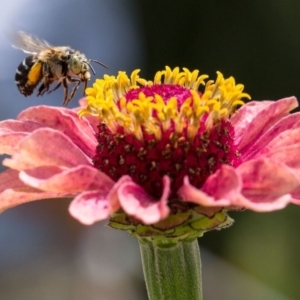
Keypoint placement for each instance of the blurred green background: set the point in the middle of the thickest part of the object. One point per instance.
(45, 254)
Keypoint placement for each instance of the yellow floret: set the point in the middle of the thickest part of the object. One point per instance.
(107, 100)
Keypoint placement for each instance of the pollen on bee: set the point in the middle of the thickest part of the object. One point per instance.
(35, 73)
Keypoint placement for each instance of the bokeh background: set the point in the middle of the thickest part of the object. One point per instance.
(44, 253)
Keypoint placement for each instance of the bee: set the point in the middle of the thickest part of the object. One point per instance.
(48, 64)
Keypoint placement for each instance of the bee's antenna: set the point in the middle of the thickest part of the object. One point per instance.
(98, 62)
(91, 67)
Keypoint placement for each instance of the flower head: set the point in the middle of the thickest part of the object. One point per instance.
(162, 153)
(165, 127)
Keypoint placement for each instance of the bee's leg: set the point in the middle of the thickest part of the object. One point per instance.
(75, 87)
(57, 86)
(46, 81)
(78, 81)
(43, 88)
(66, 91)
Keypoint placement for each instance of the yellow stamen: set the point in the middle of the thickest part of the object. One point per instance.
(154, 114)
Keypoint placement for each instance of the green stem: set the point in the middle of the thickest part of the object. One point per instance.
(172, 273)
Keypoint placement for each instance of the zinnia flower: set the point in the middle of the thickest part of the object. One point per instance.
(158, 153)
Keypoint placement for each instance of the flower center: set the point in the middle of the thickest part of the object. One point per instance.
(173, 155)
(151, 129)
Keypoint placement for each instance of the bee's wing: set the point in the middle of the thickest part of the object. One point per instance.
(29, 43)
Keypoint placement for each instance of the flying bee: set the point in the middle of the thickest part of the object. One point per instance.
(48, 64)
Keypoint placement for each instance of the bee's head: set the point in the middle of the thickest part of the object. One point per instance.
(78, 66)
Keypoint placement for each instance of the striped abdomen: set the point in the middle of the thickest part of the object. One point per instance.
(28, 74)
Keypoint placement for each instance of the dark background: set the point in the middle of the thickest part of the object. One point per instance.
(44, 253)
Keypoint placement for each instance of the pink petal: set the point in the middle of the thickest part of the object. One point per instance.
(93, 121)
(288, 155)
(90, 207)
(224, 184)
(282, 140)
(220, 189)
(8, 126)
(296, 196)
(14, 192)
(83, 102)
(46, 146)
(137, 203)
(65, 120)
(113, 193)
(290, 122)
(269, 205)
(72, 181)
(255, 118)
(267, 184)
(12, 132)
(93, 206)
(296, 201)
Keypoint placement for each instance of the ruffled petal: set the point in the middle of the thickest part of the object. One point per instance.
(284, 130)
(12, 132)
(288, 155)
(276, 203)
(220, 189)
(267, 184)
(255, 118)
(73, 181)
(282, 140)
(90, 207)
(93, 206)
(137, 203)
(296, 196)
(14, 192)
(65, 120)
(46, 146)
